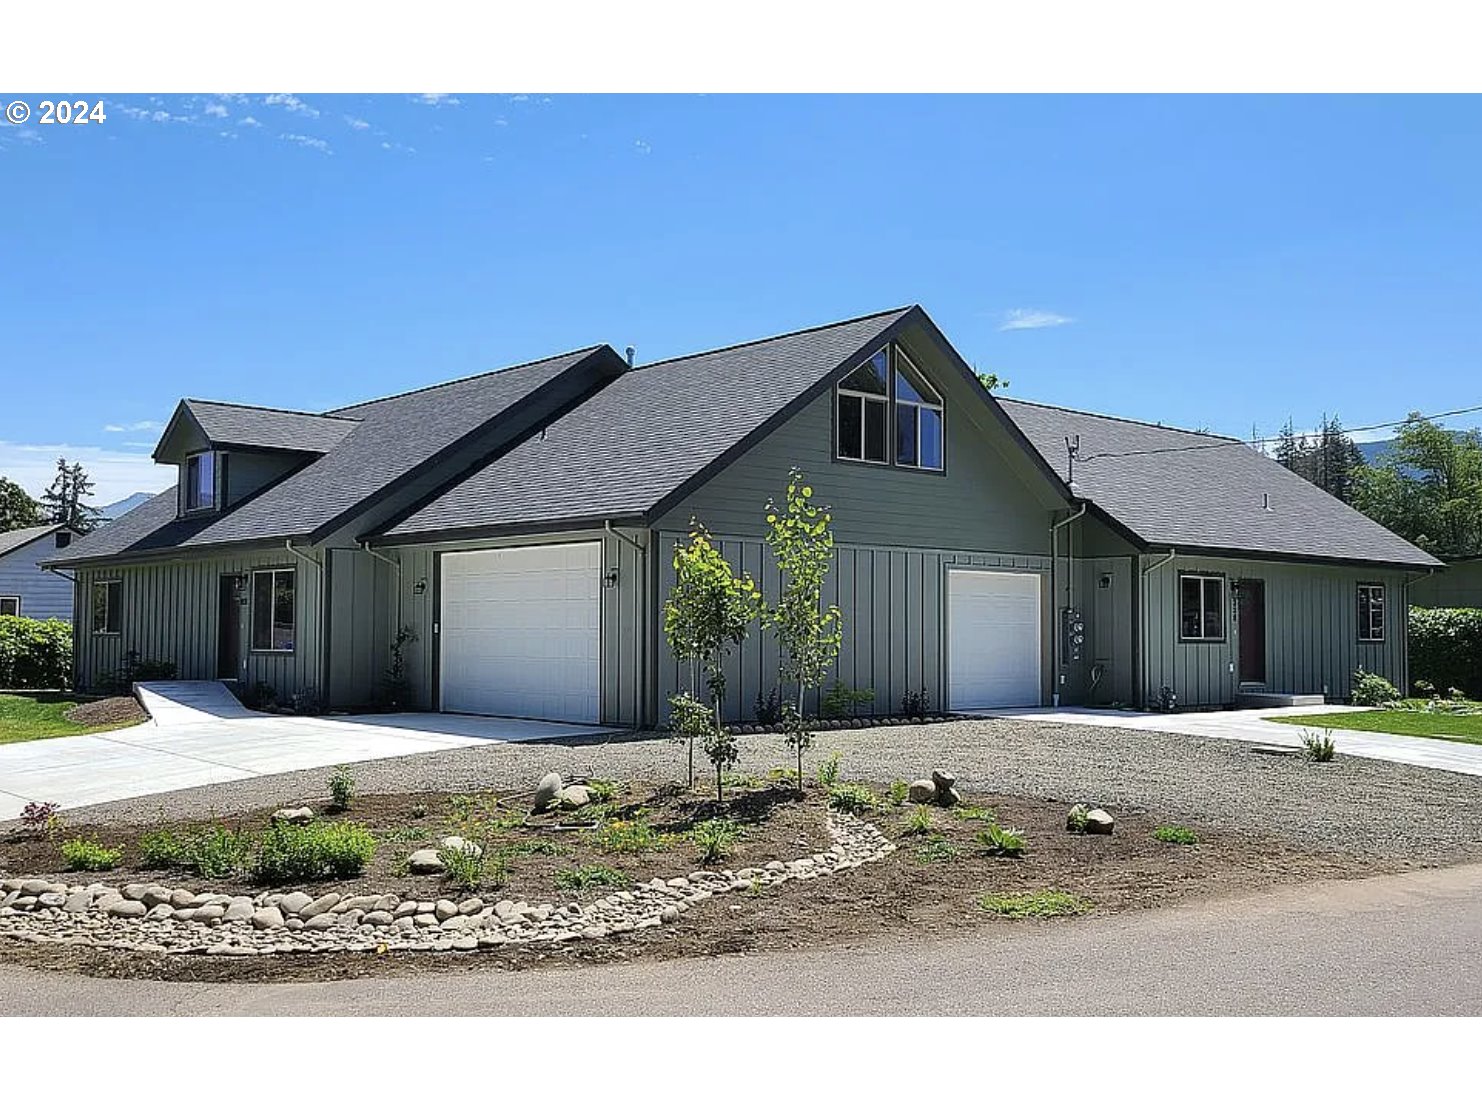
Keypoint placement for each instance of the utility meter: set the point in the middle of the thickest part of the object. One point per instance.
(1074, 634)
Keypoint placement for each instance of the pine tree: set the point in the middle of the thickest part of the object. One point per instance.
(65, 500)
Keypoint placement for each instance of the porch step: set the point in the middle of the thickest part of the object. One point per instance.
(1270, 700)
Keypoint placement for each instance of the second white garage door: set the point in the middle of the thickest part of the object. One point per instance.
(993, 639)
(520, 632)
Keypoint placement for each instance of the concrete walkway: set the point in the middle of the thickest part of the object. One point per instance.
(1254, 727)
(195, 740)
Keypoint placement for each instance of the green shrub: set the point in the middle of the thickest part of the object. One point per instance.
(163, 848)
(1076, 820)
(782, 775)
(535, 846)
(83, 854)
(828, 770)
(1372, 690)
(341, 788)
(974, 814)
(590, 875)
(900, 791)
(920, 823)
(320, 850)
(998, 841)
(35, 655)
(916, 704)
(936, 849)
(1033, 904)
(406, 835)
(1318, 747)
(603, 790)
(715, 838)
(843, 701)
(218, 852)
(463, 865)
(1175, 835)
(1446, 648)
(631, 835)
(853, 798)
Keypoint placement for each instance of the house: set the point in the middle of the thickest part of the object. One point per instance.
(26, 590)
(1457, 585)
(520, 526)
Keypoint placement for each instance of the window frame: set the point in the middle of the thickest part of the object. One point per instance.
(894, 354)
(884, 399)
(16, 598)
(109, 617)
(252, 647)
(940, 408)
(188, 487)
(1204, 577)
(1369, 607)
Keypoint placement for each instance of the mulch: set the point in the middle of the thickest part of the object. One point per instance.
(123, 710)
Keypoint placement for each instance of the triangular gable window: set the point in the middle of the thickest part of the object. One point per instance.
(887, 391)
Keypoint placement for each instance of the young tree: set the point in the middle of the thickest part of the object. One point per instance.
(708, 614)
(992, 381)
(1428, 488)
(809, 634)
(18, 509)
(65, 500)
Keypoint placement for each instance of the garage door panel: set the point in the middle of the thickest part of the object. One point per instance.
(994, 639)
(520, 632)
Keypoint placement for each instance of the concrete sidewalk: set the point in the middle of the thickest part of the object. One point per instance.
(1254, 727)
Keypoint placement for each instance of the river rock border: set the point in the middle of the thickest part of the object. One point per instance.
(151, 918)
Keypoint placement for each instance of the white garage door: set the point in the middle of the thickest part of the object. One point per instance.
(520, 632)
(993, 639)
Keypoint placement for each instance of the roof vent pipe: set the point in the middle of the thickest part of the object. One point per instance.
(1266, 502)
(630, 353)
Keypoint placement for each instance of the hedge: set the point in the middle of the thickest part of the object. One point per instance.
(35, 655)
(1446, 649)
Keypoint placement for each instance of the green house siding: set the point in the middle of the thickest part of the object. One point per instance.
(1312, 644)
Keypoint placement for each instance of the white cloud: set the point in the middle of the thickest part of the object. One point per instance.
(291, 103)
(519, 97)
(117, 474)
(135, 426)
(308, 141)
(1018, 319)
(357, 124)
(437, 99)
(235, 98)
(248, 121)
(218, 110)
(643, 148)
(501, 122)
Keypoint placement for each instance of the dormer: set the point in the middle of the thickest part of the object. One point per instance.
(225, 453)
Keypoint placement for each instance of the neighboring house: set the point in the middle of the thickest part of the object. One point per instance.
(1458, 585)
(26, 590)
(521, 525)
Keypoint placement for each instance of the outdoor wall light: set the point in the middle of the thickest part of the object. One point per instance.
(419, 587)
(611, 578)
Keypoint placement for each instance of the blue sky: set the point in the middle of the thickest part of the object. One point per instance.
(1201, 261)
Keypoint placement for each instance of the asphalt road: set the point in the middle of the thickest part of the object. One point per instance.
(1407, 944)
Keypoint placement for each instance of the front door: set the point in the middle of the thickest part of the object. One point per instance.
(229, 627)
(1251, 627)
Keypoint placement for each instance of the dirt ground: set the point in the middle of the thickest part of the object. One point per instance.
(124, 710)
(931, 885)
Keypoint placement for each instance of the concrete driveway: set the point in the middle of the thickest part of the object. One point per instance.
(198, 735)
(1252, 726)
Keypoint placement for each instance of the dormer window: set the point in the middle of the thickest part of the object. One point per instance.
(200, 482)
(888, 393)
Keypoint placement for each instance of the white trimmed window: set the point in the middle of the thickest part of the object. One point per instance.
(107, 607)
(1371, 612)
(1201, 607)
(886, 412)
(10, 606)
(273, 624)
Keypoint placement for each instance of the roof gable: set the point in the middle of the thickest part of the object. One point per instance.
(16, 539)
(226, 425)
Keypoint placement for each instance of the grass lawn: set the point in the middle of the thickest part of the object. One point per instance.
(1409, 723)
(29, 718)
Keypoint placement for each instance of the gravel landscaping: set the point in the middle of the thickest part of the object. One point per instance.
(1402, 815)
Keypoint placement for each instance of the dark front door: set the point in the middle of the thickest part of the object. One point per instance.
(229, 628)
(1251, 619)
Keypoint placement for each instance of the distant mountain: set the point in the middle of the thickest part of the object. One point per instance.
(119, 508)
(1373, 449)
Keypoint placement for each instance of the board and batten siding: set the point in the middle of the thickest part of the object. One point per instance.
(42, 594)
(627, 612)
(170, 612)
(1312, 643)
(893, 606)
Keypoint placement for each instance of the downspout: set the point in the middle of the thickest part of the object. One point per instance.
(1055, 629)
(1142, 621)
(77, 610)
(607, 528)
(394, 564)
(322, 669)
(640, 709)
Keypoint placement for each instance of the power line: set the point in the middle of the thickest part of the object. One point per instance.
(1265, 439)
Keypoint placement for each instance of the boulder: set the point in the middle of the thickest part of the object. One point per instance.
(268, 918)
(922, 790)
(462, 845)
(545, 794)
(1099, 821)
(424, 862)
(294, 902)
(322, 905)
(573, 797)
(295, 815)
(127, 908)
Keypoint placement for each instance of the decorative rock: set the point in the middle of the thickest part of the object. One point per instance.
(51, 899)
(238, 910)
(45, 887)
(547, 790)
(322, 905)
(460, 845)
(445, 909)
(295, 815)
(211, 912)
(134, 892)
(923, 791)
(293, 904)
(1099, 821)
(154, 896)
(322, 921)
(377, 918)
(268, 918)
(181, 898)
(127, 908)
(77, 903)
(574, 797)
(424, 862)
(669, 914)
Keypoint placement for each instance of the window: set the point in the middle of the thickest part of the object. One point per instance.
(10, 606)
(200, 481)
(1371, 611)
(918, 418)
(272, 611)
(63, 538)
(1201, 607)
(864, 404)
(107, 607)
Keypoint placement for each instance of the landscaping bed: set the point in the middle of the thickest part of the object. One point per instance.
(31, 717)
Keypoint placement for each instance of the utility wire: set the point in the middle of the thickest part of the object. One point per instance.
(1265, 439)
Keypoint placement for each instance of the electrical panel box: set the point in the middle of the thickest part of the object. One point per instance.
(1073, 635)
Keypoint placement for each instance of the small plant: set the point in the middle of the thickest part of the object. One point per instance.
(218, 852)
(768, 710)
(603, 790)
(260, 696)
(842, 700)
(900, 791)
(744, 782)
(1425, 688)
(406, 835)
(1077, 819)
(1318, 747)
(341, 788)
(1175, 835)
(920, 823)
(83, 854)
(397, 689)
(38, 817)
(319, 850)
(1034, 904)
(916, 704)
(535, 846)
(632, 835)
(1372, 690)
(828, 770)
(974, 814)
(998, 841)
(163, 848)
(590, 875)
(782, 775)
(417, 813)
(936, 849)
(715, 838)
(463, 865)
(853, 798)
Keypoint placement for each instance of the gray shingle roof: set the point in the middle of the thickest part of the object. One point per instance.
(276, 429)
(390, 438)
(19, 538)
(1178, 489)
(642, 437)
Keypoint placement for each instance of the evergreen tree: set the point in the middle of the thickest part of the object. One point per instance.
(1428, 488)
(18, 509)
(65, 500)
(1329, 459)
